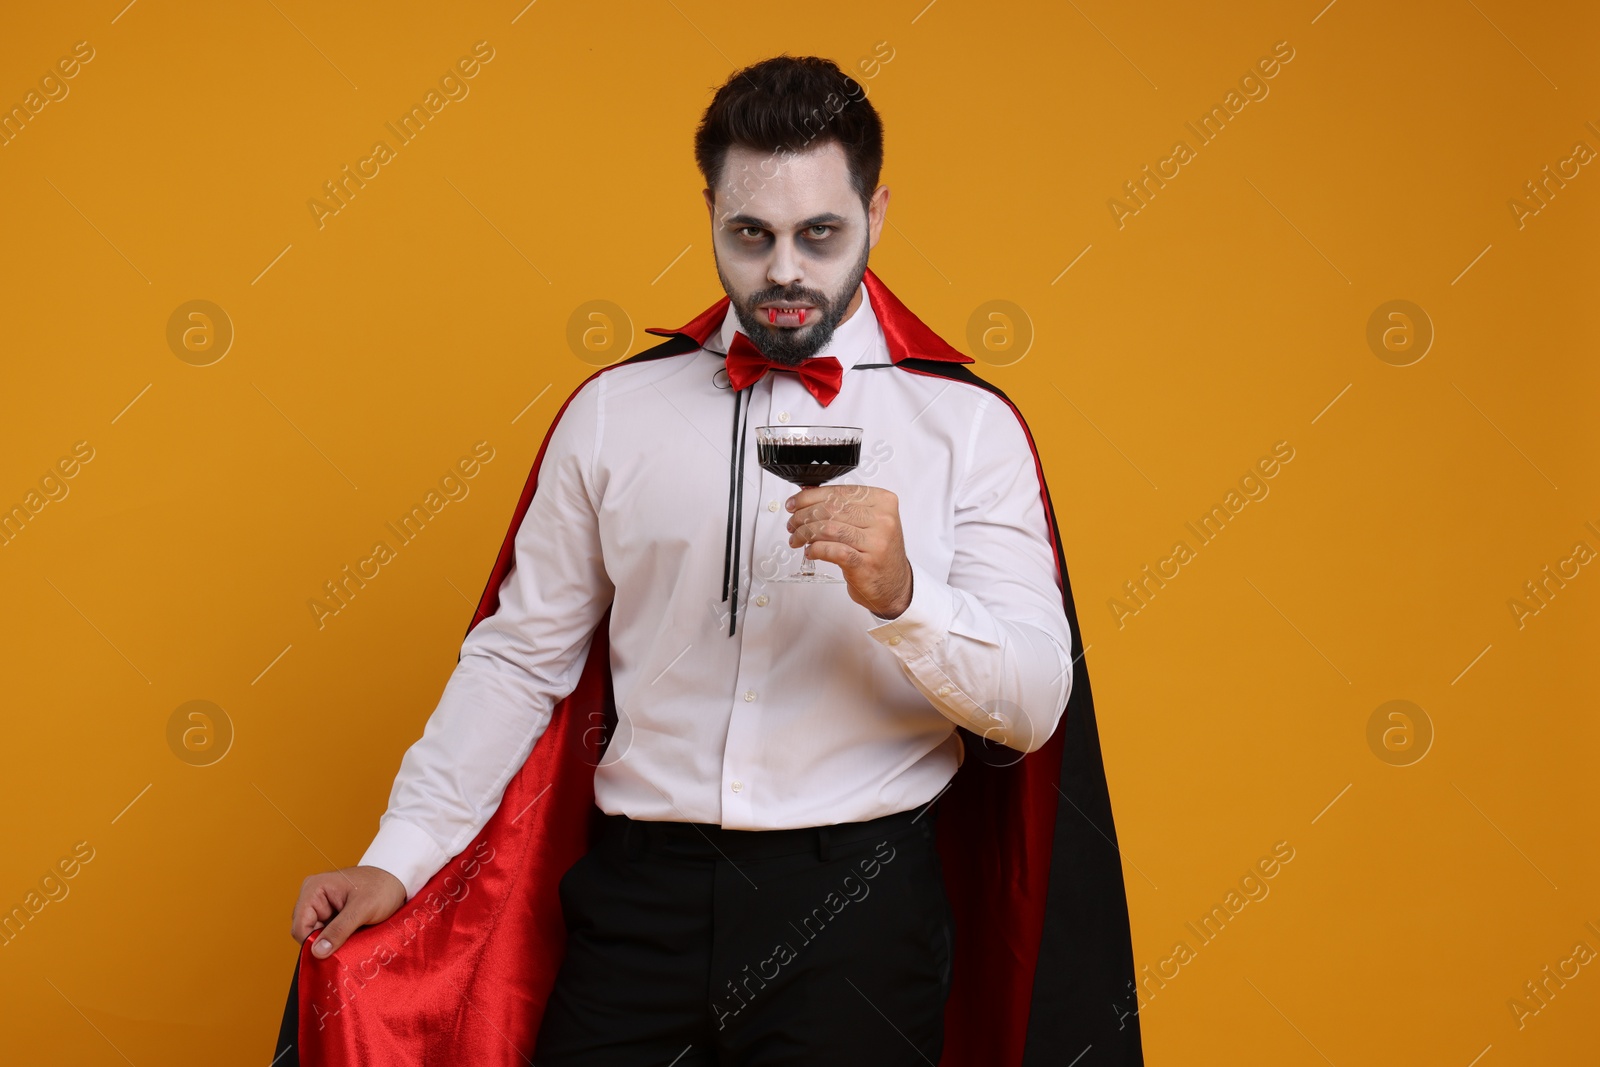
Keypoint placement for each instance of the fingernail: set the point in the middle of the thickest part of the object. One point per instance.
(322, 947)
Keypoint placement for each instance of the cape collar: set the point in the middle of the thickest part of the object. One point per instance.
(907, 336)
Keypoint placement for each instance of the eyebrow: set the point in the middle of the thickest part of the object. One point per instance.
(815, 220)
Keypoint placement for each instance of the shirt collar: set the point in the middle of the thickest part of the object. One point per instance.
(858, 339)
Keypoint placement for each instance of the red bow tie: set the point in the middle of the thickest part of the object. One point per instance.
(821, 375)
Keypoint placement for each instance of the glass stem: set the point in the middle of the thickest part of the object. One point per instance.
(808, 566)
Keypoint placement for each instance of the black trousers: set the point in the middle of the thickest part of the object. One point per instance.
(689, 945)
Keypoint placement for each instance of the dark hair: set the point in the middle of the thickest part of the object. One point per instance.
(788, 104)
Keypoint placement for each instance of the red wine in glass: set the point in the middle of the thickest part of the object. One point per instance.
(808, 456)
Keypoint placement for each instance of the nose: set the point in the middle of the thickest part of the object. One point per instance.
(784, 269)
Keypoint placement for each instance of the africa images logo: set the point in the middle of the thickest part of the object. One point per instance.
(453, 87)
(810, 928)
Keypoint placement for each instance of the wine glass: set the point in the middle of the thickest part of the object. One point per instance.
(808, 456)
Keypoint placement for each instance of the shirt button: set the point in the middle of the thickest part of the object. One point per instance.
(772, 505)
(736, 785)
(783, 416)
(761, 601)
(944, 690)
(749, 695)
(895, 640)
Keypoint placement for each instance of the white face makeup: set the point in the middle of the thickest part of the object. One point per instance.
(791, 240)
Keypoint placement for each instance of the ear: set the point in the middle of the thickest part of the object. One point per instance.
(711, 204)
(877, 211)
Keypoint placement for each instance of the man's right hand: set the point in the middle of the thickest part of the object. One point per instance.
(341, 902)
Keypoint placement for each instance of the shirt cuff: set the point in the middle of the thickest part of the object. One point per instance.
(926, 621)
(405, 851)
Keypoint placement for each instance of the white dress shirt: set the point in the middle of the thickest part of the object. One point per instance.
(816, 711)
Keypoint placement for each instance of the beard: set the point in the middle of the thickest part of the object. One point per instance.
(792, 345)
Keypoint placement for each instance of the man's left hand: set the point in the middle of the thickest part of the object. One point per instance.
(856, 527)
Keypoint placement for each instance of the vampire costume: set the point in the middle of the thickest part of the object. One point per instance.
(1043, 970)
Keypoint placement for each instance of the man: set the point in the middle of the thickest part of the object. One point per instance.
(762, 883)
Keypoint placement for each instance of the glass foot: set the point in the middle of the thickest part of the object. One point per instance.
(809, 579)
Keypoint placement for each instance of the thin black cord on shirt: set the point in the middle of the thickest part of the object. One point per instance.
(735, 538)
(727, 543)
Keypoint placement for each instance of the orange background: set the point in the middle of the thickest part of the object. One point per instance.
(431, 312)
